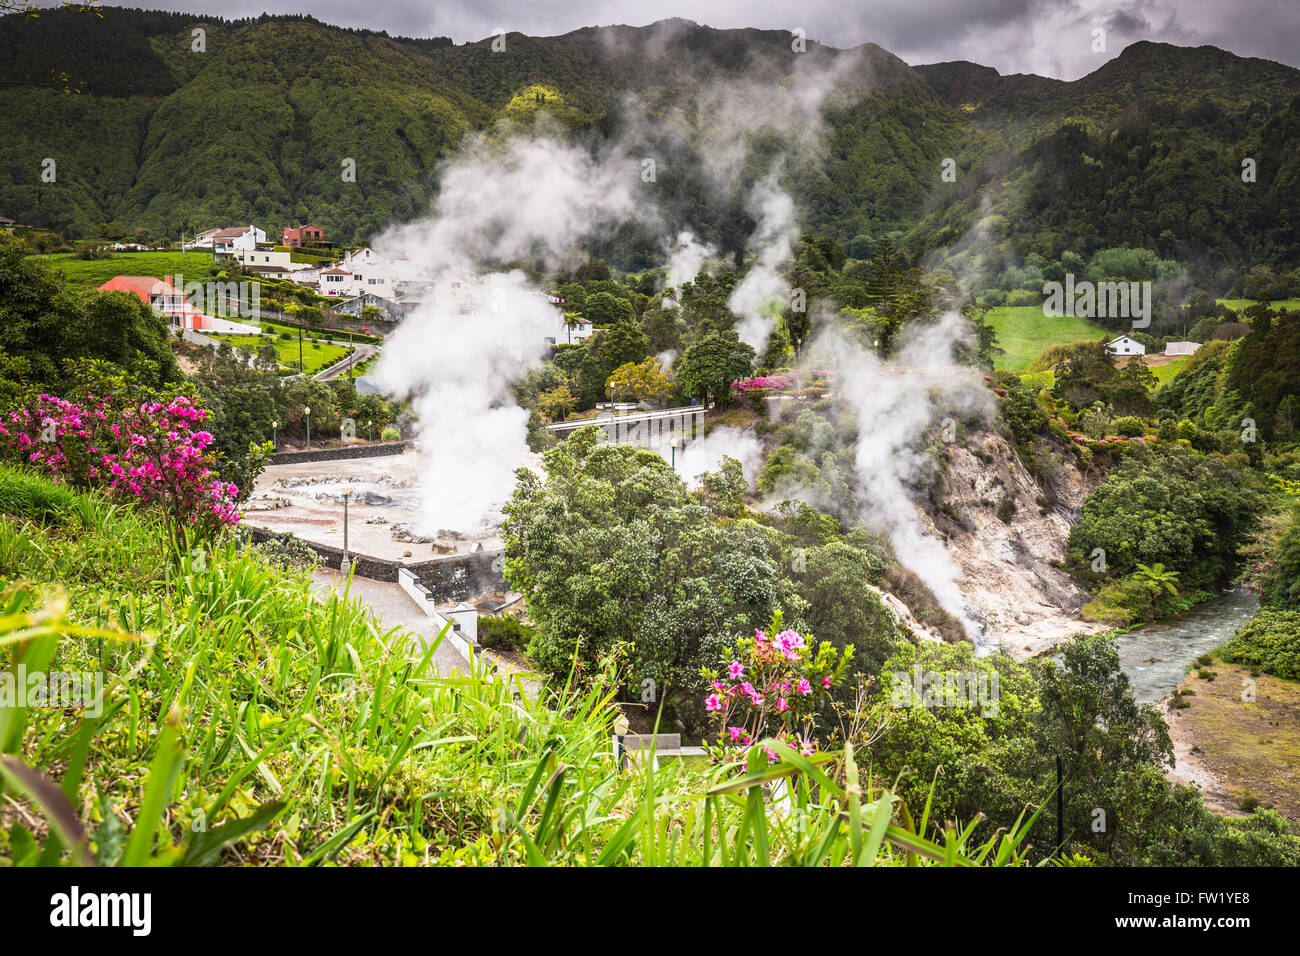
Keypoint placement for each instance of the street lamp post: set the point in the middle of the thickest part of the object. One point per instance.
(274, 445)
(307, 412)
(345, 565)
(369, 435)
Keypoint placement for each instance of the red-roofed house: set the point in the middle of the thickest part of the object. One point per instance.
(336, 281)
(307, 235)
(161, 296)
(169, 300)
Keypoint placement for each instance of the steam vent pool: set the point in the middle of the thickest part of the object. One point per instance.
(383, 511)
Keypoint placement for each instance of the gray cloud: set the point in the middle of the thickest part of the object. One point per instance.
(1048, 37)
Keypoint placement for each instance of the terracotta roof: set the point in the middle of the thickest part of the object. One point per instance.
(147, 285)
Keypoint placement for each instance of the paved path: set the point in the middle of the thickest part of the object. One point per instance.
(394, 608)
(359, 355)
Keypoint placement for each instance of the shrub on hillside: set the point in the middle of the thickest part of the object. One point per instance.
(504, 633)
(1129, 425)
(1270, 642)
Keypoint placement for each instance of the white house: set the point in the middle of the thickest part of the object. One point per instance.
(1181, 348)
(226, 241)
(358, 278)
(336, 281)
(1125, 346)
(570, 333)
(456, 291)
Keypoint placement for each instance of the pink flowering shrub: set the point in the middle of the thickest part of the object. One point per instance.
(148, 450)
(773, 688)
(784, 381)
(766, 383)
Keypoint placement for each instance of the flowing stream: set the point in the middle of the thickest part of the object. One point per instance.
(1156, 657)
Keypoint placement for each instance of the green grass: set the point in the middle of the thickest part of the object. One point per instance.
(192, 266)
(1023, 331)
(27, 496)
(316, 355)
(245, 721)
(1164, 373)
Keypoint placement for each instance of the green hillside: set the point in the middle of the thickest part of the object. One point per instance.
(147, 133)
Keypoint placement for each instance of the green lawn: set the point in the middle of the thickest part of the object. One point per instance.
(1164, 373)
(1023, 331)
(192, 266)
(317, 356)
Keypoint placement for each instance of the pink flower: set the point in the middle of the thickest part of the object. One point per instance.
(736, 670)
(826, 681)
(712, 702)
(804, 686)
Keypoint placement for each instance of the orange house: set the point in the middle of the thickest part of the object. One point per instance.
(161, 296)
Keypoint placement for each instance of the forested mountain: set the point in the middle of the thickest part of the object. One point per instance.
(146, 132)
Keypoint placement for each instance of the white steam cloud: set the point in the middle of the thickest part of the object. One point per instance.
(759, 296)
(898, 403)
(501, 201)
(686, 257)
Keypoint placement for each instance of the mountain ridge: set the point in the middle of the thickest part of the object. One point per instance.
(254, 128)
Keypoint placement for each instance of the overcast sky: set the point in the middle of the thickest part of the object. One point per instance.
(1048, 37)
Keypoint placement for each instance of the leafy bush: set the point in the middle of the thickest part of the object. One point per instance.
(1281, 585)
(1129, 425)
(389, 433)
(1170, 506)
(504, 633)
(1270, 642)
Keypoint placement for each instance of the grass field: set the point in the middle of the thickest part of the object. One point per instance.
(315, 355)
(1164, 373)
(1023, 331)
(193, 266)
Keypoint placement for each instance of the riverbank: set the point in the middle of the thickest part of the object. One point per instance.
(1240, 752)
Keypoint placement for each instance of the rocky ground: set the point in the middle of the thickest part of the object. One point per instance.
(1008, 539)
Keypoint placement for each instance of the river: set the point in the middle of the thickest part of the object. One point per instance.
(1156, 656)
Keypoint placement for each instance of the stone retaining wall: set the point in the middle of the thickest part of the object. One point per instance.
(449, 579)
(341, 453)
